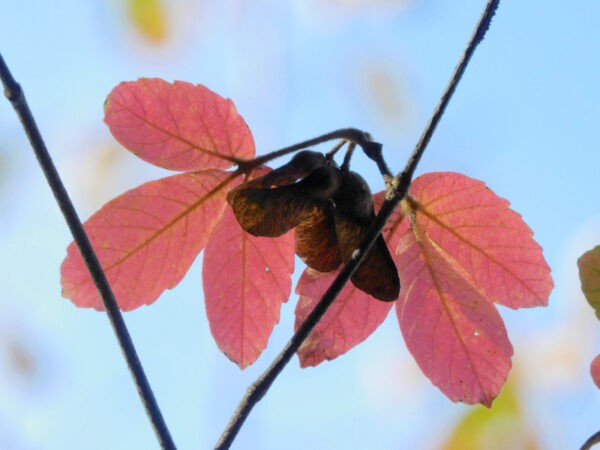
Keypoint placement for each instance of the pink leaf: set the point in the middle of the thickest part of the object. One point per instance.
(488, 240)
(595, 371)
(246, 279)
(352, 317)
(454, 333)
(147, 238)
(177, 126)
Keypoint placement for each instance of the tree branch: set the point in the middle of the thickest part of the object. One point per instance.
(14, 93)
(478, 34)
(257, 390)
(592, 440)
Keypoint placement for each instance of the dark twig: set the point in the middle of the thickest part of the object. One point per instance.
(482, 26)
(359, 137)
(14, 93)
(592, 440)
(257, 390)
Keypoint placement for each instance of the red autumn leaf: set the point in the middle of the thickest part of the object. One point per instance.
(460, 240)
(595, 371)
(491, 242)
(352, 317)
(178, 126)
(463, 250)
(453, 331)
(245, 279)
(466, 247)
(147, 238)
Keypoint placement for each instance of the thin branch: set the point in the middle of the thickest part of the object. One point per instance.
(14, 93)
(478, 34)
(331, 153)
(257, 390)
(359, 137)
(348, 156)
(592, 440)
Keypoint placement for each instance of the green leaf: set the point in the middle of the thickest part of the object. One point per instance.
(589, 273)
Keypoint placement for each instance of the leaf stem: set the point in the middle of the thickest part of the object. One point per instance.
(14, 93)
(257, 390)
(592, 440)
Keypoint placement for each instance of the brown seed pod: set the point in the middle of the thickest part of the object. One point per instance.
(331, 210)
(354, 213)
(316, 242)
(274, 211)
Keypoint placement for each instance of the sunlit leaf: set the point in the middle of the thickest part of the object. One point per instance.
(352, 317)
(453, 331)
(245, 279)
(147, 238)
(463, 250)
(491, 242)
(178, 126)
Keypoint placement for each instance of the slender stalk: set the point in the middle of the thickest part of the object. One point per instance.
(257, 390)
(14, 93)
(359, 137)
(592, 440)
(478, 34)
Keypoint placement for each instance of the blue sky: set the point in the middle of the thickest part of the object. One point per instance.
(524, 119)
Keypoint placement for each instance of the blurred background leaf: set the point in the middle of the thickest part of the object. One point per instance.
(148, 17)
(500, 427)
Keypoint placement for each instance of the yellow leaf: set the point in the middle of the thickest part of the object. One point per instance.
(148, 16)
(497, 428)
